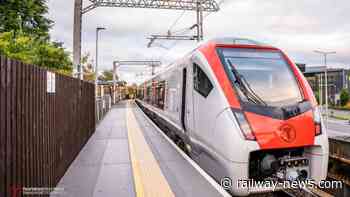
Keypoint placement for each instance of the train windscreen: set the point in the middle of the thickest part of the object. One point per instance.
(261, 77)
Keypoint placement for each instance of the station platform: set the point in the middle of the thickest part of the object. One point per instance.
(129, 156)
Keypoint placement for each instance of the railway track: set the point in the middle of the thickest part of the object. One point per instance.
(306, 192)
(300, 192)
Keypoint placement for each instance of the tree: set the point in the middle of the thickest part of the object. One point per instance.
(24, 35)
(107, 75)
(317, 96)
(88, 70)
(35, 51)
(25, 16)
(131, 91)
(88, 73)
(122, 83)
(344, 97)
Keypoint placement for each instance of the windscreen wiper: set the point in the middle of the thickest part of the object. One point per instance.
(245, 87)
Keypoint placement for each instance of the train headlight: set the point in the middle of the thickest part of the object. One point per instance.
(244, 125)
(317, 121)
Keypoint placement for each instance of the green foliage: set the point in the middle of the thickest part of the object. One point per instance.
(25, 16)
(107, 75)
(35, 51)
(88, 70)
(24, 35)
(317, 96)
(344, 97)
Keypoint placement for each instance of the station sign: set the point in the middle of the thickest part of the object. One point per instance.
(50, 82)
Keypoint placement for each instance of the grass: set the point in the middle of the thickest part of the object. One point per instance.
(341, 117)
(341, 108)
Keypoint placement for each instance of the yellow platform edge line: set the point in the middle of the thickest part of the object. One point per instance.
(139, 190)
(139, 182)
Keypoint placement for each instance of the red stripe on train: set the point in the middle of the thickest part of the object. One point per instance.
(209, 51)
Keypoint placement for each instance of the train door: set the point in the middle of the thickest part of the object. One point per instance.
(187, 102)
(204, 116)
(183, 100)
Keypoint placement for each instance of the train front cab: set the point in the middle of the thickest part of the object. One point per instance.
(245, 133)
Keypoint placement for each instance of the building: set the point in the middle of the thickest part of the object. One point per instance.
(338, 79)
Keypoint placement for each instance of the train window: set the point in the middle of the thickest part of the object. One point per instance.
(201, 82)
(148, 94)
(266, 77)
(160, 94)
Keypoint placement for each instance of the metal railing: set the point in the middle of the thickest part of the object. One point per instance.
(103, 105)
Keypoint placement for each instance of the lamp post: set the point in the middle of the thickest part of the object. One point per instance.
(320, 91)
(98, 29)
(325, 54)
(115, 67)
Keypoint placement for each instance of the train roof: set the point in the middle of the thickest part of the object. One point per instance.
(219, 41)
(236, 41)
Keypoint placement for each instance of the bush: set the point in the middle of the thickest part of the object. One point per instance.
(344, 97)
(35, 51)
(317, 96)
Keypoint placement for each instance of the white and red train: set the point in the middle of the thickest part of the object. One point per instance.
(241, 110)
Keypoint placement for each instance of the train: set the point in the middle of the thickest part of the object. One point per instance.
(241, 110)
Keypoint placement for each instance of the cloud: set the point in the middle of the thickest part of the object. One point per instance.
(297, 27)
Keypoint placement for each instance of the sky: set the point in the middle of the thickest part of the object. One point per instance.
(298, 27)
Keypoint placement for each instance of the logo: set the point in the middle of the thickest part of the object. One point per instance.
(226, 183)
(16, 191)
(287, 133)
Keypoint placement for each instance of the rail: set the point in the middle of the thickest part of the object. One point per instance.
(308, 192)
(339, 162)
(339, 170)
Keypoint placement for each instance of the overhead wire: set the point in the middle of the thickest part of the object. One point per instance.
(188, 29)
(184, 30)
(180, 31)
(177, 20)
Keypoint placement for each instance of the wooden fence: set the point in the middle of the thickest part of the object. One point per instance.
(44, 122)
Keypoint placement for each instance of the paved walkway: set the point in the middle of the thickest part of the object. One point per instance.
(105, 167)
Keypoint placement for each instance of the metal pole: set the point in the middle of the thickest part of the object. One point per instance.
(201, 23)
(321, 92)
(96, 78)
(326, 90)
(96, 59)
(326, 80)
(98, 29)
(153, 69)
(114, 81)
(96, 70)
(198, 22)
(78, 6)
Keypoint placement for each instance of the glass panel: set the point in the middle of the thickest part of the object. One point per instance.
(201, 82)
(265, 74)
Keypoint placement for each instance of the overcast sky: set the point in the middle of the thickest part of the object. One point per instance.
(296, 26)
